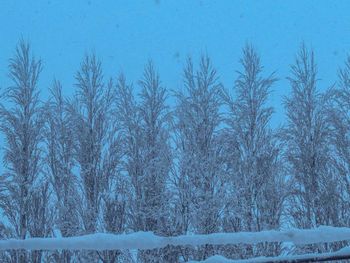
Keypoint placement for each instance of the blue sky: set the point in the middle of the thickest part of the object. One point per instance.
(125, 34)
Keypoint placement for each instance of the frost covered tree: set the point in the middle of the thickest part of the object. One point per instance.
(306, 136)
(130, 133)
(115, 188)
(339, 118)
(114, 205)
(255, 196)
(199, 169)
(22, 126)
(92, 125)
(40, 218)
(154, 116)
(145, 137)
(59, 163)
(90, 112)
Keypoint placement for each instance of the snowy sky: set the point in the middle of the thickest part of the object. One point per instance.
(127, 33)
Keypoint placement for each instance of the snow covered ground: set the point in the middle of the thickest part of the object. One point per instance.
(147, 240)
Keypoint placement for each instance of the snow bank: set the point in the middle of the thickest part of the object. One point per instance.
(147, 240)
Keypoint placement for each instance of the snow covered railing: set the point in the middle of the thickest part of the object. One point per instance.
(341, 254)
(147, 240)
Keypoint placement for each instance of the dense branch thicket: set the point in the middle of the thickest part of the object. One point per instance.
(115, 161)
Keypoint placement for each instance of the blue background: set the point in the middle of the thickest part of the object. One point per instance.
(125, 34)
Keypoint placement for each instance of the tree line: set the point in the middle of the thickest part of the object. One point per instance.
(109, 160)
